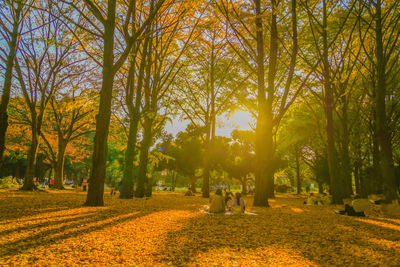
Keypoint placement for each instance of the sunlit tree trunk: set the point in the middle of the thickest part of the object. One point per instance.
(262, 140)
(210, 124)
(272, 68)
(98, 174)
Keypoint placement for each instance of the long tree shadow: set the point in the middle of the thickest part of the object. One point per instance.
(304, 238)
(36, 228)
(34, 203)
(46, 222)
(45, 235)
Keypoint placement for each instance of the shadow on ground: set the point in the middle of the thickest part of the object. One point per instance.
(286, 234)
(168, 229)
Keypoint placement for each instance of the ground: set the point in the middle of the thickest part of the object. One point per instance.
(53, 229)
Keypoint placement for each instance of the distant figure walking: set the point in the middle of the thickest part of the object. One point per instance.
(84, 184)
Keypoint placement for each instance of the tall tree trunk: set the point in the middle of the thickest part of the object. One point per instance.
(127, 181)
(320, 188)
(210, 126)
(193, 184)
(206, 177)
(174, 178)
(345, 158)
(17, 170)
(31, 164)
(261, 142)
(5, 98)
(244, 185)
(59, 166)
(357, 177)
(212, 88)
(335, 184)
(206, 169)
(50, 172)
(298, 171)
(383, 134)
(128, 178)
(98, 173)
(376, 182)
(144, 157)
(273, 59)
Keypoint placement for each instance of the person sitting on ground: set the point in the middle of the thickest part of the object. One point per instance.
(217, 202)
(229, 199)
(376, 199)
(237, 206)
(189, 193)
(240, 201)
(325, 199)
(356, 208)
(310, 200)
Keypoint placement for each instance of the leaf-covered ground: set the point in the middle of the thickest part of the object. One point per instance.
(52, 229)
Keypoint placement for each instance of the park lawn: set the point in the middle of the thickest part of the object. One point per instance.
(53, 229)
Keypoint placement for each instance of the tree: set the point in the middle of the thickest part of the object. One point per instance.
(133, 101)
(107, 18)
(208, 82)
(45, 64)
(10, 30)
(239, 163)
(268, 96)
(69, 119)
(382, 21)
(188, 155)
(168, 42)
(335, 55)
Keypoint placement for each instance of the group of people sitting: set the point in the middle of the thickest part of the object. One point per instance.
(230, 203)
(352, 207)
(355, 207)
(318, 199)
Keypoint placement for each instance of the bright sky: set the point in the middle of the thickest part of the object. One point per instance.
(239, 120)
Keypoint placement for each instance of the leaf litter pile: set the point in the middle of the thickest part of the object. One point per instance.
(42, 229)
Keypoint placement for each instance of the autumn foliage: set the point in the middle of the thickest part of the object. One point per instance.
(47, 229)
